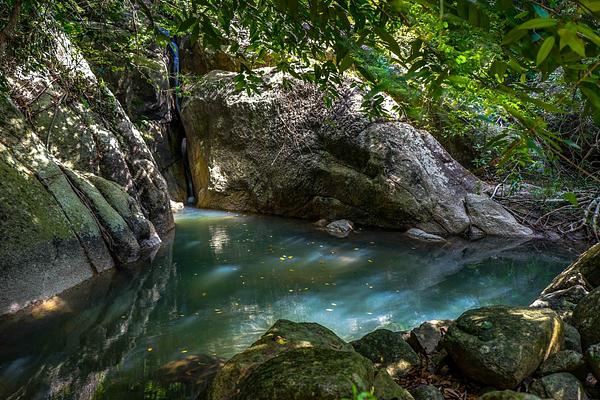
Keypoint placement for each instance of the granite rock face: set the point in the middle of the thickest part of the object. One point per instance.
(283, 152)
(80, 190)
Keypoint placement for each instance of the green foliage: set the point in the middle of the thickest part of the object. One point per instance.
(364, 395)
(490, 71)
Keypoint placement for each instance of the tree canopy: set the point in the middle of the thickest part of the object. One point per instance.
(518, 70)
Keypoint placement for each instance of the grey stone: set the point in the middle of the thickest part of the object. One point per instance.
(501, 346)
(427, 392)
(420, 234)
(340, 228)
(388, 350)
(592, 356)
(586, 318)
(426, 337)
(565, 361)
(283, 152)
(560, 386)
(508, 395)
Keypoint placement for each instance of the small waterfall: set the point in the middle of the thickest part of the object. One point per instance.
(176, 70)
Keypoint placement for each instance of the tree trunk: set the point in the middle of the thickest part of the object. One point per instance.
(8, 30)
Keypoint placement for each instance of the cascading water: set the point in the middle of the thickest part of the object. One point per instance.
(176, 69)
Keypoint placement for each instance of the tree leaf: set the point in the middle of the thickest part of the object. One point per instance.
(570, 38)
(545, 49)
(538, 23)
(513, 36)
(187, 24)
(389, 39)
(571, 198)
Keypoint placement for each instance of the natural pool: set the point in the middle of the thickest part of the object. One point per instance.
(226, 277)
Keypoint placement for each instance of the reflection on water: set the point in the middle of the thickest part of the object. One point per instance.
(226, 278)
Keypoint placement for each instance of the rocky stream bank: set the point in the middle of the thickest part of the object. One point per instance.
(549, 350)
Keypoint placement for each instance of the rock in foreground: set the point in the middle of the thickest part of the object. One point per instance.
(283, 336)
(313, 373)
(501, 346)
(561, 386)
(586, 318)
(388, 350)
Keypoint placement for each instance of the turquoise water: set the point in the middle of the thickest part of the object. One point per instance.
(225, 278)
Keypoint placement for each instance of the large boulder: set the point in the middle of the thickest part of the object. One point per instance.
(282, 151)
(80, 190)
(313, 373)
(586, 318)
(388, 350)
(283, 336)
(501, 346)
(585, 271)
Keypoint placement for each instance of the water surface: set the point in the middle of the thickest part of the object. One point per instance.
(225, 278)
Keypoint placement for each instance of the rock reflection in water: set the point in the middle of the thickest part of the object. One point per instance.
(227, 278)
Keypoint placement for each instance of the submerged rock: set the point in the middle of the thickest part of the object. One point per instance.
(501, 346)
(283, 152)
(197, 371)
(419, 234)
(586, 318)
(561, 386)
(340, 228)
(387, 350)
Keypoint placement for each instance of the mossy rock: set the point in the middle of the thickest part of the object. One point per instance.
(560, 386)
(508, 395)
(501, 346)
(283, 336)
(388, 350)
(314, 373)
(586, 318)
(125, 246)
(592, 356)
(427, 392)
(565, 361)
